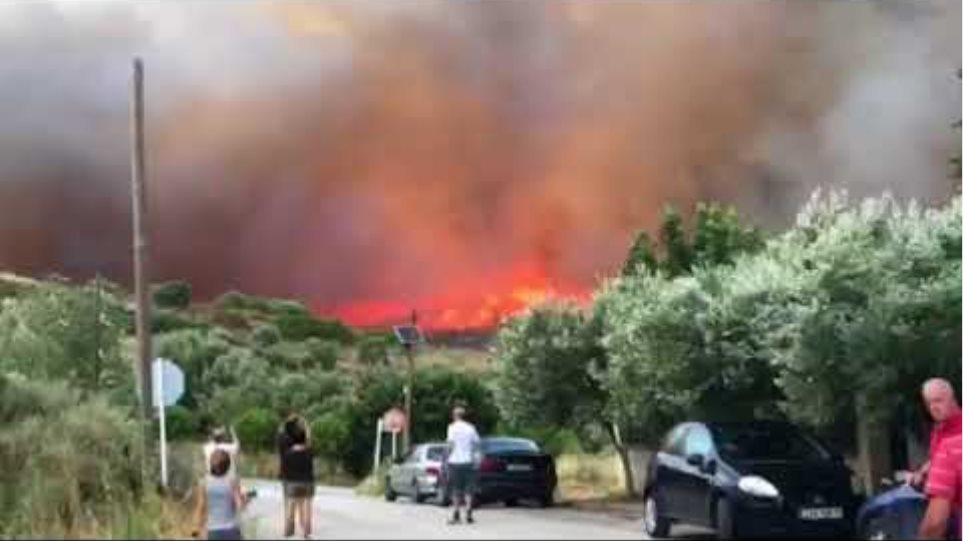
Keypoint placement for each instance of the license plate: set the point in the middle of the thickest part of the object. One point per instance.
(821, 513)
(519, 467)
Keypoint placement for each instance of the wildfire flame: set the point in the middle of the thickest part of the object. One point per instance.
(476, 305)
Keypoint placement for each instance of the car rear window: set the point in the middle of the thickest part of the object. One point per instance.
(508, 445)
(767, 443)
(436, 453)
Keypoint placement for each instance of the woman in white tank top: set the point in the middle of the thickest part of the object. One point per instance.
(219, 501)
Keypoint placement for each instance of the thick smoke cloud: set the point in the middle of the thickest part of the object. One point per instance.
(352, 151)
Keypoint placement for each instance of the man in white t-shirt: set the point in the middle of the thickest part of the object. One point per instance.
(231, 445)
(463, 446)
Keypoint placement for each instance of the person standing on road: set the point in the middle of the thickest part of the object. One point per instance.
(463, 445)
(943, 408)
(297, 474)
(229, 444)
(219, 501)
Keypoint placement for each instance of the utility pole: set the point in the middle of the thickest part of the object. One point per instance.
(141, 248)
(410, 388)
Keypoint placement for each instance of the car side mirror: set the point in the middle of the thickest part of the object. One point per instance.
(711, 467)
(696, 459)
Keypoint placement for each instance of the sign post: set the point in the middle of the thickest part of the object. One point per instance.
(394, 421)
(168, 381)
(377, 453)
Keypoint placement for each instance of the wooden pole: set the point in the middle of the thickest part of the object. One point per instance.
(141, 253)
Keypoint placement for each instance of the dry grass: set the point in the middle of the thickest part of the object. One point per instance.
(590, 477)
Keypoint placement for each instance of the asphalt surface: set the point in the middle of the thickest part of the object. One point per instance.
(341, 514)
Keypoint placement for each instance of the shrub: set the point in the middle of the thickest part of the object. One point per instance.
(175, 294)
(373, 350)
(298, 327)
(181, 423)
(257, 428)
(165, 321)
(65, 462)
(266, 335)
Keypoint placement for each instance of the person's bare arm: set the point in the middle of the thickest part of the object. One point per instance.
(936, 518)
(200, 511)
(918, 477)
(240, 500)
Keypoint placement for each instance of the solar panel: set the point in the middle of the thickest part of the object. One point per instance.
(408, 334)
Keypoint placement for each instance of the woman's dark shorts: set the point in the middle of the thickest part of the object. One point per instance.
(294, 489)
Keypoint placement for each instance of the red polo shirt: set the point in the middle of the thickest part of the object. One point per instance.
(947, 429)
(944, 480)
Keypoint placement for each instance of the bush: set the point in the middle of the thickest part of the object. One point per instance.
(266, 335)
(64, 463)
(175, 294)
(181, 423)
(331, 433)
(257, 428)
(165, 321)
(373, 350)
(298, 327)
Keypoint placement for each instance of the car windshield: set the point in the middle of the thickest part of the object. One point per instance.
(766, 443)
(508, 445)
(436, 453)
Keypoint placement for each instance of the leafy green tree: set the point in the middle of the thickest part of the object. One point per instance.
(174, 294)
(59, 331)
(257, 428)
(678, 254)
(718, 236)
(373, 350)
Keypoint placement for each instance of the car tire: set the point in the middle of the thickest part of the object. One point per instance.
(725, 522)
(510, 502)
(390, 493)
(653, 521)
(547, 501)
(416, 494)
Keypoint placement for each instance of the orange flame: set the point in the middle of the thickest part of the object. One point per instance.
(480, 304)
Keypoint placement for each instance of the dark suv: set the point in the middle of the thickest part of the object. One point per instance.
(747, 479)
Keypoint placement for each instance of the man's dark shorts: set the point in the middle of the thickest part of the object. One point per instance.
(461, 479)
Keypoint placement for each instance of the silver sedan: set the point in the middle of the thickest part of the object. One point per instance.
(416, 474)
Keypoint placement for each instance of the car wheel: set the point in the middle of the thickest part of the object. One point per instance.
(547, 500)
(655, 523)
(511, 502)
(725, 523)
(416, 493)
(390, 493)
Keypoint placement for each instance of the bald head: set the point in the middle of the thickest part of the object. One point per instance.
(940, 399)
(458, 413)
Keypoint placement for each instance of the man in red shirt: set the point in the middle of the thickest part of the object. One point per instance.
(941, 403)
(943, 490)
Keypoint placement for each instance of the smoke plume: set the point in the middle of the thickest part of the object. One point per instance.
(370, 156)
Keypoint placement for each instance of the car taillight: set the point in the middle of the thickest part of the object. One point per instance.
(432, 471)
(489, 464)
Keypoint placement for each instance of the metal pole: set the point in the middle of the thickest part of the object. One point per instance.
(394, 445)
(141, 275)
(377, 453)
(162, 413)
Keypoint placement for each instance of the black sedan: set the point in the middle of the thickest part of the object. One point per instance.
(510, 470)
(748, 479)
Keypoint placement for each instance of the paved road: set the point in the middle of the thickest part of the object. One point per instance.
(340, 514)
